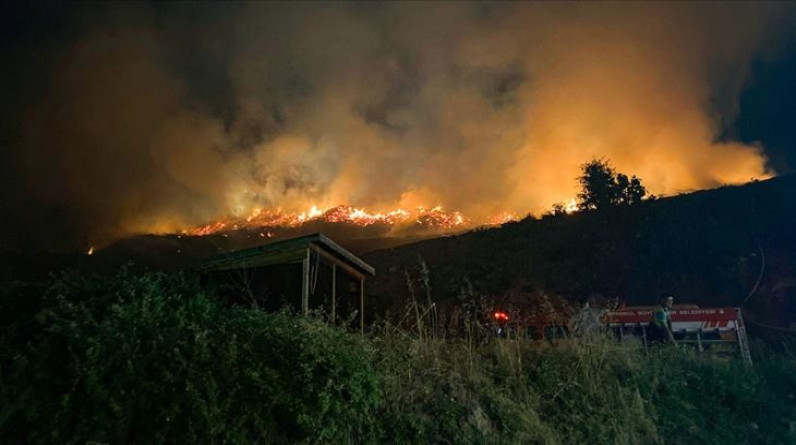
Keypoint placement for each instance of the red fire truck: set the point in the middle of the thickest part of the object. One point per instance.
(719, 330)
(529, 326)
(716, 330)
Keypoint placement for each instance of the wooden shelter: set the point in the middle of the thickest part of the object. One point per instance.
(313, 267)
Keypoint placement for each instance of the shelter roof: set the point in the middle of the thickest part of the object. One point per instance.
(285, 252)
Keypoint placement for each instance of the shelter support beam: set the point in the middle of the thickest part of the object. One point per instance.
(362, 305)
(305, 283)
(334, 292)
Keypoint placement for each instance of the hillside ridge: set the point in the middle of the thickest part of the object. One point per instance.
(705, 247)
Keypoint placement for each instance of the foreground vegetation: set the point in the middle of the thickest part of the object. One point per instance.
(151, 358)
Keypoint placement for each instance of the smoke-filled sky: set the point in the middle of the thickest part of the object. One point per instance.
(125, 118)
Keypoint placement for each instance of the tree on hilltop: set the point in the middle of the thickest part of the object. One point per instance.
(603, 187)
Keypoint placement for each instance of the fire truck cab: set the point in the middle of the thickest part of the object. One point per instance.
(719, 330)
(503, 321)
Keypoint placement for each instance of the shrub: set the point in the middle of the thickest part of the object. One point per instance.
(150, 358)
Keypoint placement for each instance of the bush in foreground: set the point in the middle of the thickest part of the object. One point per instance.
(152, 359)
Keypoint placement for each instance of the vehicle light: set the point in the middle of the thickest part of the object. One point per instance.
(500, 316)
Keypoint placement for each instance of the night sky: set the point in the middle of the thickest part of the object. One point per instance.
(129, 118)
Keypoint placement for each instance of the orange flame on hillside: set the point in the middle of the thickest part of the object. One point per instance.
(436, 218)
(572, 206)
(503, 218)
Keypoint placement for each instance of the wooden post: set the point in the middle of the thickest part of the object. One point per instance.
(305, 284)
(334, 291)
(362, 305)
(644, 337)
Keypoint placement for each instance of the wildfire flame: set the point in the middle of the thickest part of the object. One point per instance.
(572, 206)
(435, 217)
(503, 218)
(90, 251)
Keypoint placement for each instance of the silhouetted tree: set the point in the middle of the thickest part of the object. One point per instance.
(634, 192)
(602, 187)
(558, 210)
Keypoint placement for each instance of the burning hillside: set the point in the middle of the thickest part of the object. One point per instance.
(435, 218)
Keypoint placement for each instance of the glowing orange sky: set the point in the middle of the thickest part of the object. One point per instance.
(392, 106)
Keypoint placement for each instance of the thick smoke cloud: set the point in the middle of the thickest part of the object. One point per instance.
(157, 120)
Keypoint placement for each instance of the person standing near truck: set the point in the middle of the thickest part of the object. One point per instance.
(661, 322)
